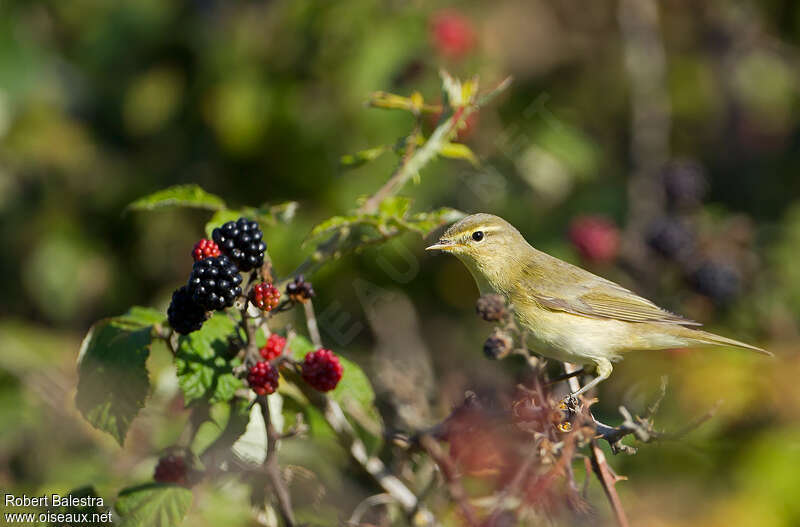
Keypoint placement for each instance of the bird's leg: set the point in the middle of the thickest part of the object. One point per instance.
(604, 369)
(565, 376)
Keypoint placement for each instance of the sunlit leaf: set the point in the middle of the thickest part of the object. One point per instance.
(362, 157)
(459, 151)
(202, 366)
(178, 196)
(395, 207)
(153, 505)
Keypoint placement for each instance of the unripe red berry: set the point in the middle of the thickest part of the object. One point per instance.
(172, 469)
(452, 33)
(263, 378)
(274, 347)
(595, 237)
(322, 370)
(265, 296)
(205, 249)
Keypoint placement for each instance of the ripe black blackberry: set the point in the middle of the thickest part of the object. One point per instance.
(717, 280)
(241, 241)
(670, 238)
(684, 184)
(184, 314)
(214, 283)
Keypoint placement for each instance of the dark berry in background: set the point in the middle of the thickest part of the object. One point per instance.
(670, 237)
(491, 307)
(498, 345)
(263, 378)
(214, 283)
(596, 238)
(717, 280)
(184, 314)
(299, 290)
(205, 249)
(172, 469)
(322, 370)
(241, 241)
(685, 184)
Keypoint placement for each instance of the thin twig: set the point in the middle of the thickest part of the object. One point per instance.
(272, 468)
(450, 474)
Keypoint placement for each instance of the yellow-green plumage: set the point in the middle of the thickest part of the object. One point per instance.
(572, 314)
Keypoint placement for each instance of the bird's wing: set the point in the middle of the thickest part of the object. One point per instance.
(574, 290)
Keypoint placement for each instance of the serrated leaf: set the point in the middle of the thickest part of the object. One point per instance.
(179, 196)
(153, 505)
(232, 426)
(202, 368)
(331, 224)
(112, 376)
(459, 151)
(362, 157)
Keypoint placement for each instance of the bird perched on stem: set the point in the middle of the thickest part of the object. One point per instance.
(571, 314)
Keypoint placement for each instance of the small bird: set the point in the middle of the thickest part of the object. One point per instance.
(572, 315)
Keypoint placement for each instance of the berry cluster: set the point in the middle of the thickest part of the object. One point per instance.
(214, 283)
(299, 290)
(241, 241)
(498, 345)
(273, 348)
(205, 249)
(673, 238)
(322, 370)
(263, 378)
(491, 307)
(265, 296)
(172, 469)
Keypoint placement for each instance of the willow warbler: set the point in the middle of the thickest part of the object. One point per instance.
(571, 314)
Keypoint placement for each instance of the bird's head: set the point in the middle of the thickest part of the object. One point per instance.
(484, 242)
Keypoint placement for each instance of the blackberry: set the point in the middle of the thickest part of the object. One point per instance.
(670, 238)
(322, 370)
(716, 280)
(172, 469)
(205, 249)
(241, 241)
(273, 348)
(684, 184)
(498, 345)
(265, 296)
(214, 283)
(263, 378)
(299, 290)
(184, 314)
(491, 308)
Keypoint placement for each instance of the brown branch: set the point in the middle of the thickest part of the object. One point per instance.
(450, 474)
(272, 468)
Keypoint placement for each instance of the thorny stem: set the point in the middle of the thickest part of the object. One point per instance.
(608, 479)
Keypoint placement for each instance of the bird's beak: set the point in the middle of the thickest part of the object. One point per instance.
(443, 245)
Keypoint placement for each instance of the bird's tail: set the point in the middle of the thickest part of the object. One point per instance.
(706, 338)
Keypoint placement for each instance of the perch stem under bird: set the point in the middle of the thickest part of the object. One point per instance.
(571, 314)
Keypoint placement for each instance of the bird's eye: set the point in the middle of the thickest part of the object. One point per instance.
(477, 236)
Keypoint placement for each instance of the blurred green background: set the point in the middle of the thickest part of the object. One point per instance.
(103, 102)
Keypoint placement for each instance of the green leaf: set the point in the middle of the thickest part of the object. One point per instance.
(266, 215)
(426, 222)
(178, 196)
(139, 317)
(226, 429)
(112, 375)
(332, 224)
(203, 370)
(153, 505)
(362, 157)
(394, 207)
(459, 151)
